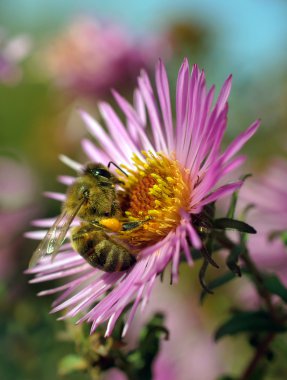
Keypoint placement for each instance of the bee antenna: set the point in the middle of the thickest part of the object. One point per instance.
(112, 163)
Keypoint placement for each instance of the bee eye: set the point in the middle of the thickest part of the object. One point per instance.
(104, 173)
(100, 172)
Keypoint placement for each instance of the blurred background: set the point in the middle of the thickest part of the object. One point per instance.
(57, 57)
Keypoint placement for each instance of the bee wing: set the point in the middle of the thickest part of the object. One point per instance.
(54, 238)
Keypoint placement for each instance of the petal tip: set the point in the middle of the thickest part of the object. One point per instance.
(82, 112)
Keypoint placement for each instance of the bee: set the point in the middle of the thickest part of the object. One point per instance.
(92, 198)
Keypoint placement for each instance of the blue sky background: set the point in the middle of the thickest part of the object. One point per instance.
(251, 34)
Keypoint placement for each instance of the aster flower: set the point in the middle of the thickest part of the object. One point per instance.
(12, 52)
(174, 170)
(89, 57)
(268, 195)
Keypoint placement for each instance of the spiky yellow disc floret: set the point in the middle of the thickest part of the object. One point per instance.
(155, 192)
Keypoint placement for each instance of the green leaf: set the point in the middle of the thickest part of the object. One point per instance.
(248, 321)
(143, 357)
(232, 206)
(232, 259)
(72, 363)
(284, 238)
(233, 224)
(234, 199)
(259, 373)
(219, 281)
(275, 286)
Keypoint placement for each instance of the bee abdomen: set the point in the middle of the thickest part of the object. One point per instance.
(100, 251)
(112, 257)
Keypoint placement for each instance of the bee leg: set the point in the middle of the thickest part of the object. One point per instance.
(127, 226)
(207, 256)
(101, 250)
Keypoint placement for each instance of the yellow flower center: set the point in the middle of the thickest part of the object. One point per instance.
(155, 193)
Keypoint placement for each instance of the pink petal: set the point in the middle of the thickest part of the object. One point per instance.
(66, 179)
(238, 143)
(94, 153)
(35, 235)
(147, 93)
(193, 236)
(182, 88)
(224, 93)
(134, 121)
(57, 196)
(97, 130)
(71, 163)
(140, 107)
(221, 192)
(164, 98)
(118, 131)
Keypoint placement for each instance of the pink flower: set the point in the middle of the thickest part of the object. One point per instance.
(181, 356)
(268, 194)
(12, 52)
(174, 170)
(90, 57)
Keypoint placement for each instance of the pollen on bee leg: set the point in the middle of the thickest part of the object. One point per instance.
(112, 224)
(156, 191)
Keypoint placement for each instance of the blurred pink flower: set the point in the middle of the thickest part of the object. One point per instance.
(114, 374)
(268, 194)
(190, 352)
(17, 207)
(12, 52)
(182, 357)
(90, 57)
(173, 169)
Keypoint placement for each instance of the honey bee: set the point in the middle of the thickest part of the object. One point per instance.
(94, 200)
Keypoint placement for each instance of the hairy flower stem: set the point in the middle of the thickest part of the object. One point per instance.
(258, 281)
(266, 296)
(256, 275)
(258, 355)
(257, 278)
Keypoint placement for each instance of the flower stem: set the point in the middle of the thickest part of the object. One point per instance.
(252, 269)
(258, 281)
(258, 355)
(263, 292)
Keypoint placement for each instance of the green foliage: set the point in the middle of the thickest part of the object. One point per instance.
(284, 238)
(96, 354)
(234, 199)
(213, 235)
(29, 348)
(217, 282)
(233, 224)
(250, 322)
(278, 367)
(142, 357)
(273, 284)
(232, 259)
(72, 363)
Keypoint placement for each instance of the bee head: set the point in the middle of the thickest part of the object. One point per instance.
(101, 173)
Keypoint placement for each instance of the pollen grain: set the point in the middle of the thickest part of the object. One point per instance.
(155, 192)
